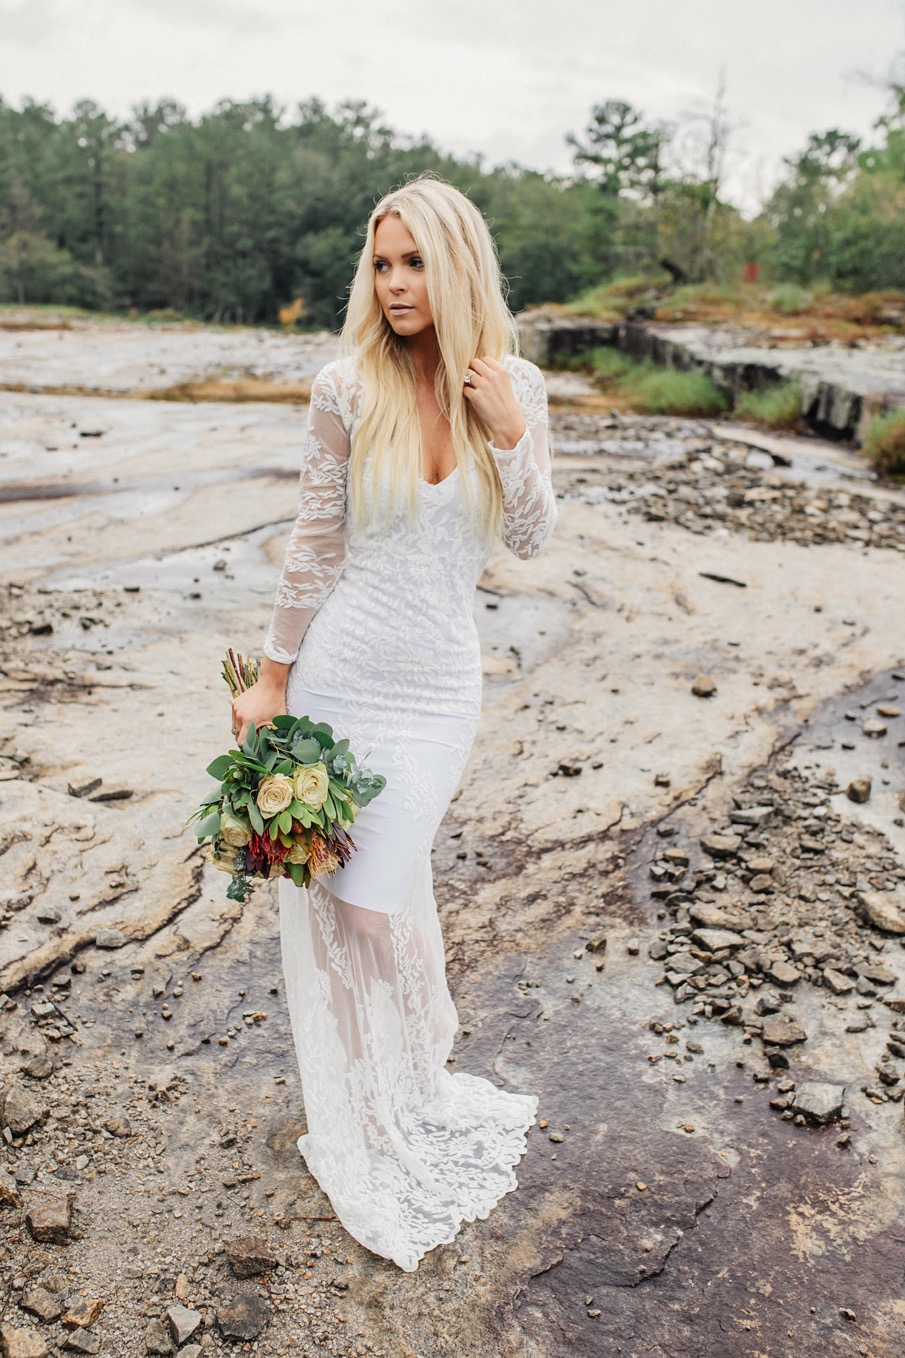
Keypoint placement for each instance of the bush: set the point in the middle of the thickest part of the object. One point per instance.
(884, 443)
(789, 299)
(777, 407)
(667, 391)
(660, 391)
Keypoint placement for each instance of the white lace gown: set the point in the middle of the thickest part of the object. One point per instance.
(380, 631)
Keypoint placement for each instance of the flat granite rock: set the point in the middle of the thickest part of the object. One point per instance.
(819, 1101)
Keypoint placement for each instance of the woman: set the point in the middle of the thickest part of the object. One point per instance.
(426, 443)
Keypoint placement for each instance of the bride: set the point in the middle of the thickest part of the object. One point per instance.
(427, 443)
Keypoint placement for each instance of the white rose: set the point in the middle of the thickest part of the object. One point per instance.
(223, 856)
(312, 785)
(234, 832)
(297, 854)
(274, 794)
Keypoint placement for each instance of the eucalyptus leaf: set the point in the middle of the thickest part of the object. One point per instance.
(254, 815)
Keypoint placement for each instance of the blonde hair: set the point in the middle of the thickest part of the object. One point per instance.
(471, 319)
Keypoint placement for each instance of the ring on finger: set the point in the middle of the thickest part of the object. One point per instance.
(467, 380)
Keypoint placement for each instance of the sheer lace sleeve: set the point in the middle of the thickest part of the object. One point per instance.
(316, 550)
(529, 505)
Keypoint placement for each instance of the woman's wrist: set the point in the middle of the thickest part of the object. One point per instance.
(273, 675)
(507, 436)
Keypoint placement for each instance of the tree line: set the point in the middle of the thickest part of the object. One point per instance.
(231, 216)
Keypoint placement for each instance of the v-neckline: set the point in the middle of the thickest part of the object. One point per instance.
(433, 485)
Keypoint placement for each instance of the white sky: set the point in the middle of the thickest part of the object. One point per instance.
(507, 78)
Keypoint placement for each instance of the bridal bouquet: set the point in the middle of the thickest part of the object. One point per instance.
(286, 799)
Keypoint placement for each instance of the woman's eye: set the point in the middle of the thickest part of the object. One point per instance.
(380, 265)
(416, 262)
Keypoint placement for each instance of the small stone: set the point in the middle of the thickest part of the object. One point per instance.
(715, 939)
(157, 1340)
(882, 911)
(20, 1110)
(873, 729)
(721, 846)
(884, 710)
(183, 1323)
(42, 1303)
(109, 938)
(82, 1341)
(768, 1002)
(557, 1137)
(712, 916)
(244, 1317)
(819, 1101)
(751, 815)
(858, 790)
(782, 1033)
(784, 974)
(878, 974)
(9, 1192)
(118, 1126)
(250, 1255)
(761, 883)
(49, 1218)
(21, 1343)
(662, 780)
(835, 981)
(761, 867)
(704, 686)
(84, 1312)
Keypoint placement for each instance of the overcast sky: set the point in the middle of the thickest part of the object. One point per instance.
(507, 78)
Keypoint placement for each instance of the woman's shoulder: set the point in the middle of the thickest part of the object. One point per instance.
(336, 388)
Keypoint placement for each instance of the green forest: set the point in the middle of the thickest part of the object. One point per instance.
(232, 216)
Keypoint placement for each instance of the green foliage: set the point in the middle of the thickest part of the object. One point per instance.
(777, 407)
(884, 443)
(661, 391)
(790, 299)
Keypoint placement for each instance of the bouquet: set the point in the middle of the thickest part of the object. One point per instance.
(286, 799)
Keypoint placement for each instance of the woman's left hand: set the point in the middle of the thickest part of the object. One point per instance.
(490, 394)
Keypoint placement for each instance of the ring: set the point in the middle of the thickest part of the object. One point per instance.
(466, 380)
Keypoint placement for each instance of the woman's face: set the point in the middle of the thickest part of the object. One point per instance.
(399, 279)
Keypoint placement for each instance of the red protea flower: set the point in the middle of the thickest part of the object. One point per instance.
(266, 851)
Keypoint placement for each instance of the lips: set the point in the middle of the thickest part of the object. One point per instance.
(400, 307)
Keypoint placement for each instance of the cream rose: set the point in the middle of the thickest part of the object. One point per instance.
(223, 856)
(297, 854)
(233, 831)
(274, 794)
(312, 785)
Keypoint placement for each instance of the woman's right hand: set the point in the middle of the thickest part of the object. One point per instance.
(263, 701)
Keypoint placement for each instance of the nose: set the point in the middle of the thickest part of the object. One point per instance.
(397, 282)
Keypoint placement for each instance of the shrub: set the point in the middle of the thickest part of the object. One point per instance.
(884, 443)
(668, 391)
(789, 299)
(610, 365)
(777, 407)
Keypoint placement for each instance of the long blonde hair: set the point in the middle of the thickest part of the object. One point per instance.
(471, 319)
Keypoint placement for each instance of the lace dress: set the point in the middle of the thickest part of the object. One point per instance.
(380, 631)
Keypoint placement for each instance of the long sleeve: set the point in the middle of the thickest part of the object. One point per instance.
(316, 550)
(529, 505)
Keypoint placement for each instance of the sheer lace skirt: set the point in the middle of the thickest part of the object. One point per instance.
(405, 1150)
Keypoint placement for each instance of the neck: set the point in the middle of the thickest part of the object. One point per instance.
(425, 353)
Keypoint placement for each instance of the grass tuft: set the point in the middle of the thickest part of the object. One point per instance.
(884, 443)
(776, 407)
(659, 391)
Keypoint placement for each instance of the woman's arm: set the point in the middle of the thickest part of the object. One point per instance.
(314, 555)
(512, 401)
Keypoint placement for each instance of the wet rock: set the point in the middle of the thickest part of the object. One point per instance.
(49, 1217)
(22, 1343)
(835, 981)
(858, 790)
(882, 911)
(110, 938)
(780, 1032)
(715, 939)
(20, 1110)
(244, 1317)
(819, 1101)
(721, 846)
(42, 1303)
(84, 1312)
(704, 686)
(157, 1340)
(183, 1323)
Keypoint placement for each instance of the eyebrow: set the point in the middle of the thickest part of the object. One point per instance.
(406, 254)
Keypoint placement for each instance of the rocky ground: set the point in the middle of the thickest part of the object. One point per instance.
(681, 923)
